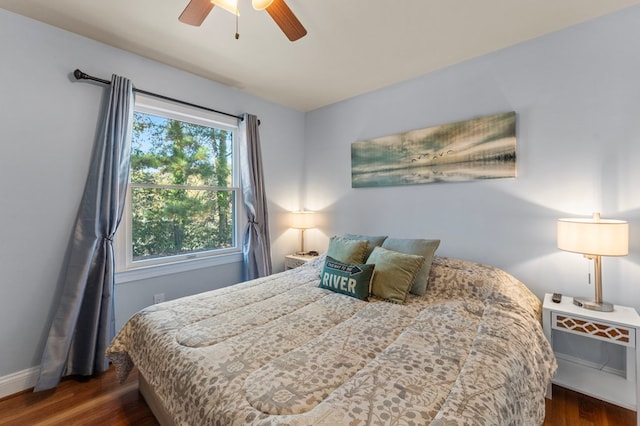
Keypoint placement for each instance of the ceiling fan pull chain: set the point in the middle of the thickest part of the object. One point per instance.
(237, 33)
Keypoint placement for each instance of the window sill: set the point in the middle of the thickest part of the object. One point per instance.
(153, 271)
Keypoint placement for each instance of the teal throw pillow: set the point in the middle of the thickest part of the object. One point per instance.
(347, 278)
(374, 241)
(395, 273)
(419, 247)
(346, 250)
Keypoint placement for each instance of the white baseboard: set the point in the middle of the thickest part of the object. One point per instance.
(18, 382)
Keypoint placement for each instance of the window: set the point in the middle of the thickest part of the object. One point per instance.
(182, 199)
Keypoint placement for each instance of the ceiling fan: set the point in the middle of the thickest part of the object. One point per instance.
(197, 10)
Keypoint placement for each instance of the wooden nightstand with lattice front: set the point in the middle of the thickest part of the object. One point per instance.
(619, 327)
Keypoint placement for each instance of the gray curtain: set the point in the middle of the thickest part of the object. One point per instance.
(84, 323)
(256, 247)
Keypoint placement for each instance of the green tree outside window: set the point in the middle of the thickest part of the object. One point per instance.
(182, 198)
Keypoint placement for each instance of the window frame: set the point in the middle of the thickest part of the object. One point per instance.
(129, 270)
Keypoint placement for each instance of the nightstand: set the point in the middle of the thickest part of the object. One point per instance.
(294, 260)
(619, 327)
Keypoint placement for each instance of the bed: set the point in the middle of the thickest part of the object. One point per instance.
(280, 350)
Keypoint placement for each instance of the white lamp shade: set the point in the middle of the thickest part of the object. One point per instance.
(303, 220)
(597, 237)
(261, 4)
(228, 5)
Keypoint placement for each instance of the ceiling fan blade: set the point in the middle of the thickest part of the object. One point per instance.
(286, 20)
(195, 12)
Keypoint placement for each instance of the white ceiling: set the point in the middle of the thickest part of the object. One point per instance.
(352, 46)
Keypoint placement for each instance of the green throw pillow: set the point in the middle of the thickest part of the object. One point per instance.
(394, 273)
(374, 241)
(347, 278)
(424, 248)
(346, 250)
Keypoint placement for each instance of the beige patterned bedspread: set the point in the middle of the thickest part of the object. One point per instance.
(281, 351)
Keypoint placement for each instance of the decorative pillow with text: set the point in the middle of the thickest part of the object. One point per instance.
(347, 278)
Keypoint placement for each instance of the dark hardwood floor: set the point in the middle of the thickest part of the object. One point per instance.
(568, 408)
(98, 401)
(103, 401)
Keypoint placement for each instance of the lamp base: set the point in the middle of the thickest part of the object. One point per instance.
(592, 304)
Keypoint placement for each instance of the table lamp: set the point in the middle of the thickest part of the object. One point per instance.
(302, 220)
(594, 238)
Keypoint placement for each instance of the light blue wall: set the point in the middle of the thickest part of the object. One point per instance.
(577, 98)
(576, 92)
(48, 123)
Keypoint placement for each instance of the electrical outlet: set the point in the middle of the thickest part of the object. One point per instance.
(157, 298)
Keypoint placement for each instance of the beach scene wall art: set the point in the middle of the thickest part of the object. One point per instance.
(479, 148)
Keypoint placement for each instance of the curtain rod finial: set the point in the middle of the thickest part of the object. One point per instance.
(78, 74)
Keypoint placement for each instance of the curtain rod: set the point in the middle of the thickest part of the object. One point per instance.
(79, 75)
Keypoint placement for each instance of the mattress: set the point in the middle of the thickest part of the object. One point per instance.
(280, 350)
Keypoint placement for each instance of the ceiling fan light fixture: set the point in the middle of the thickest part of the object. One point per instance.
(228, 5)
(261, 4)
(197, 10)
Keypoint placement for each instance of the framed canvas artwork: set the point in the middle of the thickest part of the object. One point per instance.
(479, 148)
